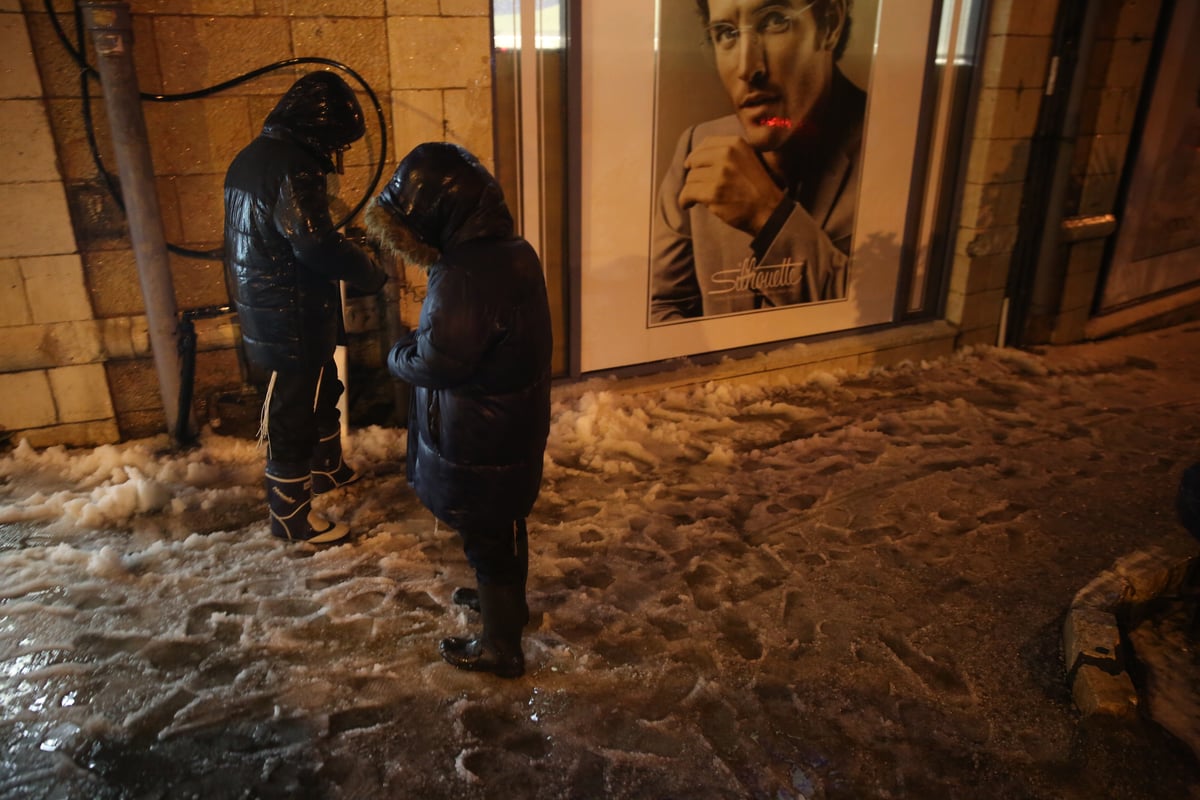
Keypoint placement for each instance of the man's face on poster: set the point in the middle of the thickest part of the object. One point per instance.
(776, 62)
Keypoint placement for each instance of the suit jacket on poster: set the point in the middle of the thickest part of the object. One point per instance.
(700, 266)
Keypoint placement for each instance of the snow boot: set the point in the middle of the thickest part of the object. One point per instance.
(289, 497)
(329, 469)
(469, 597)
(498, 648)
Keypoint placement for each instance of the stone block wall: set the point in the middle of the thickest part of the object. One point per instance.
(74, 311)
(53, 387)
(1015, 65)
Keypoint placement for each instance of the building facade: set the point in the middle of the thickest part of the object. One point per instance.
(1042, 197)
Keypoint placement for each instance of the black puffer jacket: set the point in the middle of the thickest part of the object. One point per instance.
(282, 254)
(479, 361)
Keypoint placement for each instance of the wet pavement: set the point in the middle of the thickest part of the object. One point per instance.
(851, 587)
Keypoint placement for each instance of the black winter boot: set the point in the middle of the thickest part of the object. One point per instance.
(498, 648)
(469, 597)
(329, 469)
(289, 496)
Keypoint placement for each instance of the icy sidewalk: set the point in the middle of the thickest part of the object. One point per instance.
(852, 587)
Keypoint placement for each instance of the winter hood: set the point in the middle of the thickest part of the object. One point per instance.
(439, 196)
(321, 111)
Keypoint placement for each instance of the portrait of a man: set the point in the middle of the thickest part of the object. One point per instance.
(755, 209)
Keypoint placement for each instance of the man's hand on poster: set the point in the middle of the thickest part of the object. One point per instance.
(725, 174)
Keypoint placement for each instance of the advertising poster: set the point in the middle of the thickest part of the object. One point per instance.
(745, 170)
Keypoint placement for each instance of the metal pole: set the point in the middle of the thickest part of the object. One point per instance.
(112, 36)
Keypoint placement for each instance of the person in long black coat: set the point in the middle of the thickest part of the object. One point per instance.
(283, 260)
(479, 367)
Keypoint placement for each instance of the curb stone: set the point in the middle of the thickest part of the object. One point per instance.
(1097, 664)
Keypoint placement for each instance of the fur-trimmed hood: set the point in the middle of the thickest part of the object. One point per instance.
(439, 196)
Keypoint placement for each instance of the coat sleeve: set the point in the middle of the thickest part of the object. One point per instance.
(451, 339)
(674, 288)
(302, 216)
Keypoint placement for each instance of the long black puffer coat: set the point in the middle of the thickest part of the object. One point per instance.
(479, 361)
(283, 257)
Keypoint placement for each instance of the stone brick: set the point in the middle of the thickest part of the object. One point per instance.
(417, 116)
(74, 155)
(998, 160)
(1105, 592)
(29, 145)
(347, 191)
(169, 203)
(25, 400)
(1016, 62)
(201, 211)
(81, 393)
(1024, 17)
(955, 302)
(142, 423)
(1150, 573)
(401, 8)
(980, 274)
(79, 434)
(125, 337)
(976, 242)
(70, 343)
(14, 310)
(146, 65)
(215, 7)
(318, 8)
(55, 289)
(1092, 633)
(19, 77)
(979, 336)
(112, 280)
(198, 282)
(466, 8)
(193, 138)
(440, 53)
(1007, 113)
(1071, 325)
(59, 72)
(28, 347)
(360, 44)
(134, 386)
(37, 221)
(469, 121)
(982, 309)
(203, 51)
(1097, 692)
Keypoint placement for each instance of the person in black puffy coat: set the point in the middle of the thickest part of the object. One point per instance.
(283, 261)
(479, 367)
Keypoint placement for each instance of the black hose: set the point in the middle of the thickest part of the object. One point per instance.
(87, 70)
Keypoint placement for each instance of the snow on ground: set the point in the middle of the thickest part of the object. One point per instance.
(846, 587)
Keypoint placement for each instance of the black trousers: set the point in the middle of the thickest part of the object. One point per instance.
(302, 409)
(497, 551)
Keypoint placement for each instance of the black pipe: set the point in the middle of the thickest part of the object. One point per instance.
(187, 361)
